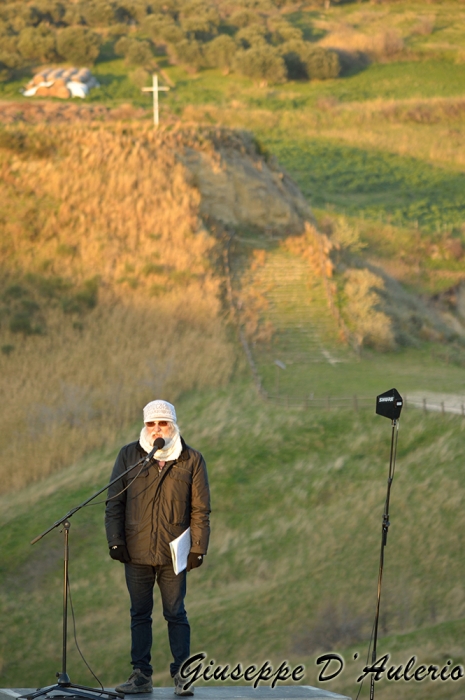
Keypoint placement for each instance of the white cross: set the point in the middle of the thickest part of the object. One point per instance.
(155, 89)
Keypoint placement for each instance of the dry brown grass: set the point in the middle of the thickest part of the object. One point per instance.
(380, 46)
(113, 206)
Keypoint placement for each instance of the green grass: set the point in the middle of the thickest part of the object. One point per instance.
(390, 81)
(297, 509)
(371, 183)
(407, 369)
(116, 85)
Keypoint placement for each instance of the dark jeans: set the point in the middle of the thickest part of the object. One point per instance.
(140, 580)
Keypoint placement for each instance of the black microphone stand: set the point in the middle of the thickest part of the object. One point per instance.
(388, 405)
(63, 684)
(384, 534)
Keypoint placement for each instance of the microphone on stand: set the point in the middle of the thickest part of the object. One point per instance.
(158, 444)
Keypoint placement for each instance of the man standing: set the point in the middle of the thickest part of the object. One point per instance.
(145, 511)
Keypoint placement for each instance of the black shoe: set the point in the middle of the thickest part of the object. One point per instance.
(179, 686)
(136, 683)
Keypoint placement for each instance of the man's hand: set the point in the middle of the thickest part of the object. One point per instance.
(119, 552)
(194, 560)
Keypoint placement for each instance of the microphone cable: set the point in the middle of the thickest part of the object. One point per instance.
(68, 586)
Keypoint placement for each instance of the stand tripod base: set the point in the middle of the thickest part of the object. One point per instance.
(69, 690)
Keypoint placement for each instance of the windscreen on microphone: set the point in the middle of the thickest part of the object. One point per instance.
(159, 443)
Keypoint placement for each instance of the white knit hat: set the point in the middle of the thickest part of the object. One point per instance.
(159, 410)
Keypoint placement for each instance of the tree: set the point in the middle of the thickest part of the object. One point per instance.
(10, 58)
(51, 11)
(99, 13)
(162, 27)
(139, 53)
(136, 53)
(131, 10)
(190, 53)
(261, 63)
(78, 45)
(252, 37)
(37, 43)
(282, 32)
(199, 21)
(244, 18)
(221, 51)
(321, 64)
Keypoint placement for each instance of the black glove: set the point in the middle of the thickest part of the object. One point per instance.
(194, 560)
(119, 552)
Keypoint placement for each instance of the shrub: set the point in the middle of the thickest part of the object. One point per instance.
(78, 45)
(321, 64)
(292, 52)
(347, 235)
(14, 291)
(22, 322)
(121, 46)
(370, 326)
(83, 300)
(261, 63)
(221, 51)
(140, 77)
(37, 43)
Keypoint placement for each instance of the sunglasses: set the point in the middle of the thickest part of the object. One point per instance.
(160, 423)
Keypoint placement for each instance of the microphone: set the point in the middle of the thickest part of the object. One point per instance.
(158, 444)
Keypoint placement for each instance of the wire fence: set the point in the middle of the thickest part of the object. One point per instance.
(454, 405)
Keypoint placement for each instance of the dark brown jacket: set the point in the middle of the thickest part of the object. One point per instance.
(158, 507)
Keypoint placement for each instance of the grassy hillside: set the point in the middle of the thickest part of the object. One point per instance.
(113, 290)
(108, 289)
(297, 508)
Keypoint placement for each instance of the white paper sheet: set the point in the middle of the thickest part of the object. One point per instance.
(180, 548)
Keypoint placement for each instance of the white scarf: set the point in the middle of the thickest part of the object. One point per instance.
(171, 450)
